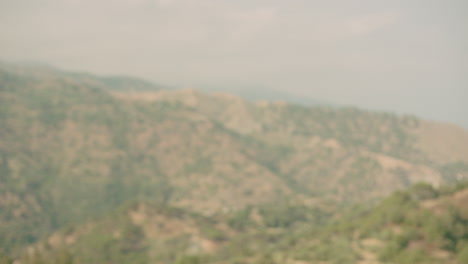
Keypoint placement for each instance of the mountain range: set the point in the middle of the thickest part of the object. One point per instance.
(120, 170)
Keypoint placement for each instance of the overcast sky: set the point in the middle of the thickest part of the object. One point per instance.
(407, 56)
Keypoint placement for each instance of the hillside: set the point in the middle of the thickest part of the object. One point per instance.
(421, 225)
(76, 147)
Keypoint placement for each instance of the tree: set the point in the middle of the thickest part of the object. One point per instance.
(423, 191)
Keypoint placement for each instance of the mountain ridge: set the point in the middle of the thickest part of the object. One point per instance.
(72, 149)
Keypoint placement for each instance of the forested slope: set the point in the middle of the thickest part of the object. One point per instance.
(75, 148)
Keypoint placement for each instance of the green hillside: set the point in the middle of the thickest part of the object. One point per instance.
(421, 225)
(80, 151)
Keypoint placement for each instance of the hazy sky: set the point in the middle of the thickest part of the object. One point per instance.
(407, 56)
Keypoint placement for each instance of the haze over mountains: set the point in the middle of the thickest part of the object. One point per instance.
(407, 57)
(150, 175)
(233, 132)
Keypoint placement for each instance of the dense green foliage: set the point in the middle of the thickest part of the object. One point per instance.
(412, 231)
